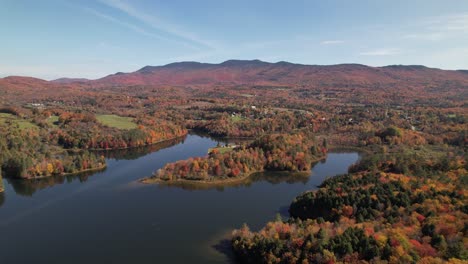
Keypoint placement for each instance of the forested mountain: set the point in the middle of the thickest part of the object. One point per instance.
(256, 72)
(287, 74)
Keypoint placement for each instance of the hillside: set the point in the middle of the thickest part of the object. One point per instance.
(257, 80)
(256, 72)
(284, 73)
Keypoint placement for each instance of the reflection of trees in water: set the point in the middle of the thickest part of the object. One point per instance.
(237, 141)
(224, 247)
(2, 198)
(273, 177)
(276, 177)
(135, 153)
(28, 187)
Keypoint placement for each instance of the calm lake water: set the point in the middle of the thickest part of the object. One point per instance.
(108, 217)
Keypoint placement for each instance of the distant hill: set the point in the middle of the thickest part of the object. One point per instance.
(259, 73)
(256, 72)
(70, 80)
(23, 82)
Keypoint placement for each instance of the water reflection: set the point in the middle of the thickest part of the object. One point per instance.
(220, 140)
(135, 153)
(272, 177)
(2, 198)
(29, 186)
(170, 225)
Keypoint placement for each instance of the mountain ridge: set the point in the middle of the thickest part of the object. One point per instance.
(250, 72)
(257, 72)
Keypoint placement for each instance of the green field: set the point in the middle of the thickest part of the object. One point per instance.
(221, 150)
(116, 121)
(53, 120)
(236, 118)
(22, 123)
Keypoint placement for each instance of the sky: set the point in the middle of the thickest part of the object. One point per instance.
(50, 39)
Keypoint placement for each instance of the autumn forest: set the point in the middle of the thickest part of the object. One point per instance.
(404, 201)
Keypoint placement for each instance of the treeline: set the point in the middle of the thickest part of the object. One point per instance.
(372, 215)
(135, 153)
(278, 152)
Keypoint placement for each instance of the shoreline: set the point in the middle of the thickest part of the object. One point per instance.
(206, 133)
(111, 149)
(65, 173)
(150, 180)
(97, 168)
(83, 171)
(351, 148)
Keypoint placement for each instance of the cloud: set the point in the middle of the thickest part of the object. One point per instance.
(433, 36)
(381, 52)
(453, 22)
(440, 27)
(159, 24)
(331, 42)
(124, 24)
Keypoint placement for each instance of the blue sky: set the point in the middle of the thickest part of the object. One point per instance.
(92, 38)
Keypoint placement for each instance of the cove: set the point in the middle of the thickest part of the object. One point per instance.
(109, 217)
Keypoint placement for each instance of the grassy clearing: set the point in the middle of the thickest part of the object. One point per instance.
(116, 121)
(221, 150)
(236, 118)
(53, 120)
(12, 119)
(425, 152)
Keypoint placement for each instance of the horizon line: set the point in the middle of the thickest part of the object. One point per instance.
(231, 60)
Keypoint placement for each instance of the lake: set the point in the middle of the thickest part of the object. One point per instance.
(109, 217)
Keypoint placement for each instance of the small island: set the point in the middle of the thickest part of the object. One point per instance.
(275, 152)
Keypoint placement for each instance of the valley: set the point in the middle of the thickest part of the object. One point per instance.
(173, 138)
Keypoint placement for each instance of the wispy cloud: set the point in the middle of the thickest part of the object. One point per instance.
(381, 52)
(331, 42)
(159, 24)
(440, 27)
(453, 22)
(432, 36)
(124, 24)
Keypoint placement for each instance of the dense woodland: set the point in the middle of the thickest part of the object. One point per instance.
(392, 207)
(25, 153)
(404, 202)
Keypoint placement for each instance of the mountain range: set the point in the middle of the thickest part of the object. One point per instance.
(256, 72)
